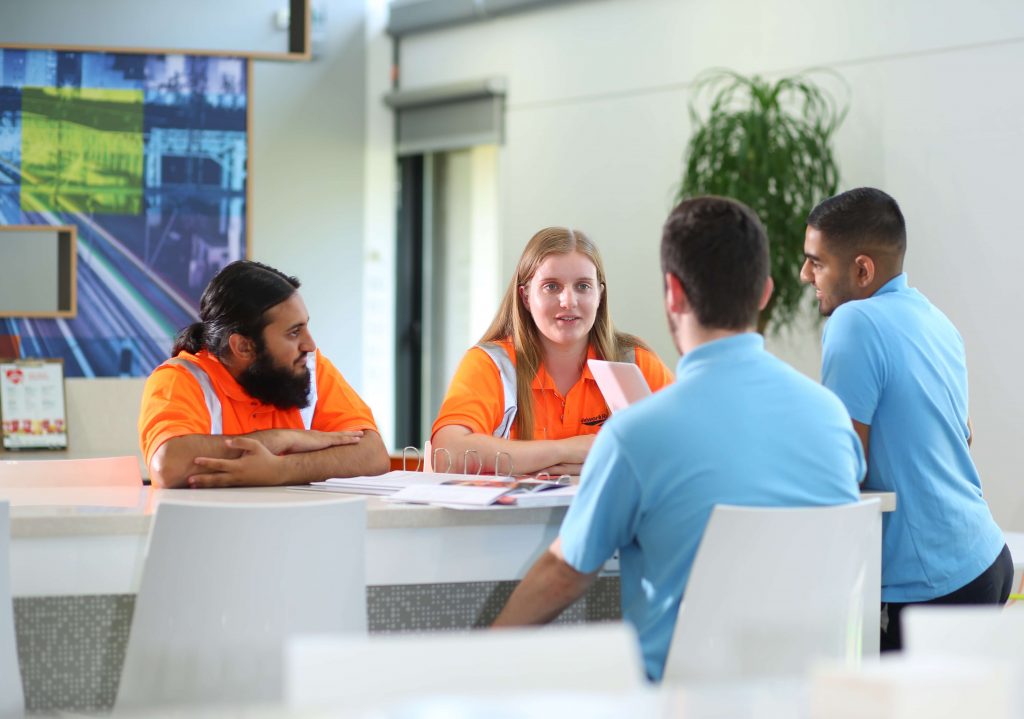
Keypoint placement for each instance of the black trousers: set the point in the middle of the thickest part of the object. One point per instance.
(991, 587)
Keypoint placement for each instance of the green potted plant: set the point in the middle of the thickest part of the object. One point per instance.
(768, 145)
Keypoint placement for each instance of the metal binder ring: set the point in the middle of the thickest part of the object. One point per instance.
(448, 455)
(465, 461)
(405, 456)
(497, 463)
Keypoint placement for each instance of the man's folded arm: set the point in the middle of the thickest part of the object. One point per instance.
(307, 456)
(174, 461)
(367, 457)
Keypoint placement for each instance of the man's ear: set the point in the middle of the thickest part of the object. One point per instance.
(242, 347)
(766, 293)
(676, 300)
(864, 270)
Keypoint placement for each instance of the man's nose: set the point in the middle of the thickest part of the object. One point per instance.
(805, 272)
(306, 343)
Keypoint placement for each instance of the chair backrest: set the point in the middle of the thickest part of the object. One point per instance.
(360, 674)
(12, 700)
(94, 472)
(772, 590)
(223, 587)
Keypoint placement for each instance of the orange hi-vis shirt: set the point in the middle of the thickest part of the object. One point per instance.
(476, 396)
(173, 404)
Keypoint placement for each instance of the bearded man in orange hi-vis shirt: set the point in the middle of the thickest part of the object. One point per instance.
(248, 400)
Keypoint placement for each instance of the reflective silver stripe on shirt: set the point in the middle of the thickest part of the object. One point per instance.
(507, 371)
(213, 401)
(211, 398)
(307, 411)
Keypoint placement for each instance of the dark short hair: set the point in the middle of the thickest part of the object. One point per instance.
(861, 221)
(235, 302)
(718, 250)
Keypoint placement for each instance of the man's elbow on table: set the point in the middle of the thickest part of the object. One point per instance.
(167, 469)
(382, 466)
(379, 462)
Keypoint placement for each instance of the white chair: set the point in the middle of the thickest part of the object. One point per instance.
(95, 472)
(361, 674)
(223, 587)
(772, 590)
(12, 700)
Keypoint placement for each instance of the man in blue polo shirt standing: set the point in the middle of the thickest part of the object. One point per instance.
(738, 427)
(898, 365)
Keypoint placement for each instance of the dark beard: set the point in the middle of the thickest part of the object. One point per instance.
(271, 384)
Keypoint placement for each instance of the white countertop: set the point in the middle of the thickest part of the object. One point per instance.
(31, 455)
(72, 541)
(115, 510)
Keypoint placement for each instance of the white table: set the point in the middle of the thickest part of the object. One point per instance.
(87, 547)
(92, 541)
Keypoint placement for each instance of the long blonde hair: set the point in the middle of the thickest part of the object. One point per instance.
(514, 321)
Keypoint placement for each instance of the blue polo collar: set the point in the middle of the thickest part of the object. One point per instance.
(896, 284)
(736, 347)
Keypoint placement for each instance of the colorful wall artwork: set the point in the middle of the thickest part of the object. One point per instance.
(148, 156)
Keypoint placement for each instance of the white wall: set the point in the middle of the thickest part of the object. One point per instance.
(598, 121)
(308, 178)
(378, 300)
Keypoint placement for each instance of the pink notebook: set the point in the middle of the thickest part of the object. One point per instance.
(621, 383)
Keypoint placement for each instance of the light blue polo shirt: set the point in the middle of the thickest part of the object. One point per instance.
(738, 426)
(898, 365)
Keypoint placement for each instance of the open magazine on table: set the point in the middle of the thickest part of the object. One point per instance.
(454, 490)
(467, 491)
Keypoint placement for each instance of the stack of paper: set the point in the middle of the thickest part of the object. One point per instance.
(383, 484)
(559, 497)
(458, 491)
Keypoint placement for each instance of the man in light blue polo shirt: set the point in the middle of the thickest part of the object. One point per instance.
(738, 427)
(898, 365)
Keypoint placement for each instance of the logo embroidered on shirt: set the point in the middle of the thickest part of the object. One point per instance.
(594, 421)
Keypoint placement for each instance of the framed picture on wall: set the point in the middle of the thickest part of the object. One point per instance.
(33, 413)
(147, 156)
(38, 275)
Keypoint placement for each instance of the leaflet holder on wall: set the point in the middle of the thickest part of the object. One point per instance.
(33, 412)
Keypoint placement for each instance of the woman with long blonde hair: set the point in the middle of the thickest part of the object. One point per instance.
(525, 390)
